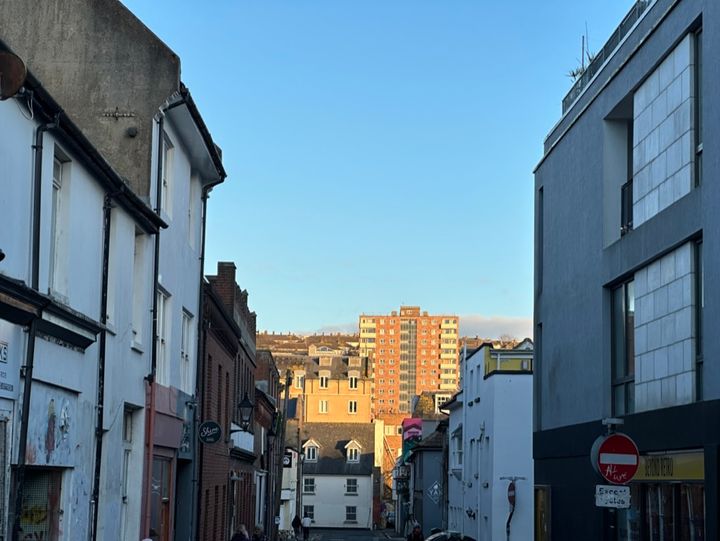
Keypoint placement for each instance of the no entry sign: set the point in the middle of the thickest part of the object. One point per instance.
(617, 458)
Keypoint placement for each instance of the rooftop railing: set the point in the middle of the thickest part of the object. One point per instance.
(603, 54)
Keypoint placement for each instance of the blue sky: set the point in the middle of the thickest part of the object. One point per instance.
(379, 152)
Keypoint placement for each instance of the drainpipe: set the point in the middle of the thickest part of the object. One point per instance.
(22, 443)
(30, 353)
(199, 372)
(37, 193)
(107, 215)
(150, 378)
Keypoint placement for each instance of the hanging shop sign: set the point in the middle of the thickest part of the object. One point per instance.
(209, 432)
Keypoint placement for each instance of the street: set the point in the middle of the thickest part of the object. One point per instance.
(352, 535)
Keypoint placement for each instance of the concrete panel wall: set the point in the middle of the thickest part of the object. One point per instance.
(664, 331)
(663, 134)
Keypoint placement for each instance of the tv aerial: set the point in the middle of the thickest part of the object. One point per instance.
(12, 74)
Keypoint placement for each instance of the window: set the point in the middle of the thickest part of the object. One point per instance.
(309, 510)
(353, 382)
(299, 381)
(163, 331)
(389, 430)
(623, 349)
(353, 454)
(699, 309)
(309, 485)
(324, 382)
(166, 175)
(352, 406)
(350, 513)
(58, 224)
(698, 107)
(323, 408)
(186, 345)
(139, 310)
(311, 453)
(351, 486)
(127, 452)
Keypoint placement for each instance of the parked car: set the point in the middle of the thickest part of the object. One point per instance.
(448, 535)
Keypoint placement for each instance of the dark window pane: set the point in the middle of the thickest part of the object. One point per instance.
(618, 332)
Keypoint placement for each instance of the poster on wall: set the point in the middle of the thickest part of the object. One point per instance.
(11, 349)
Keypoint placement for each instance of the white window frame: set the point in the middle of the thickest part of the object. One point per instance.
(353, 455)
(309, 483)
(323, 406)
(352, 407)
(348, 513)
(186, 352)
(351, 486)
(162, 375)
(311, 453)
(166, 172)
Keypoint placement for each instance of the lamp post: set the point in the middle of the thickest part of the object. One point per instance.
(269, 507)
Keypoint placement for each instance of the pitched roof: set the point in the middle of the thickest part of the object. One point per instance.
(333, 440)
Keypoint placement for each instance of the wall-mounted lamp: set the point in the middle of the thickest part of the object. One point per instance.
(246, 411)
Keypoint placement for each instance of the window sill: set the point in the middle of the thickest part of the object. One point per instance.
(137, 347)
(351, 494)
(350, 522)
(111, 328)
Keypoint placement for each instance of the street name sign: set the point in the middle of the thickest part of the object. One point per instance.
(612, 496)
(617, 458)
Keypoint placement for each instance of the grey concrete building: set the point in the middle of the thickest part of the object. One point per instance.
(626, 238)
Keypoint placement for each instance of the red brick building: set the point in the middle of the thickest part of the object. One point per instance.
(228, 467)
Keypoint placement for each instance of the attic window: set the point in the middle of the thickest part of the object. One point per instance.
(353, 454)
(325, 361)
(311, 453)
(354, 361)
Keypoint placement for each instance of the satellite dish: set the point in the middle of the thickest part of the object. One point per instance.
(12, 74)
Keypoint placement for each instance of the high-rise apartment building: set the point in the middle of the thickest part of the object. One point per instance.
(411, 352)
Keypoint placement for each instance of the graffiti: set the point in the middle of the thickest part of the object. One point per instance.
(50, 433)
(34, 515)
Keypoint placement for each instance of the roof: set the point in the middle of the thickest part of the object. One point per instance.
(333, 438)
(338, 366)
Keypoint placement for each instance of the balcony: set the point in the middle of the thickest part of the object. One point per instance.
(605, 53)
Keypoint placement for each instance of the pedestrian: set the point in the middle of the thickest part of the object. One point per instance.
(258, 534)
(241, 534)
(306, 521)
(296, 524)
(416, 534)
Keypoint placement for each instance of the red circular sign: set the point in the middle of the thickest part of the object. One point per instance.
(618, 459)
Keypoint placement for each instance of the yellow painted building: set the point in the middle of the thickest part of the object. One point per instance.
(333, 389)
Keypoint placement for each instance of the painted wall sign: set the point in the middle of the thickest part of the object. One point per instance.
(612, 496)
(209, 432)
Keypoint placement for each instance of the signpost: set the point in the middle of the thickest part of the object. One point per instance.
(616, 458)
(434, 492)
(613, 496)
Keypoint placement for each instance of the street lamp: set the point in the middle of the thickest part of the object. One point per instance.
(246, 411)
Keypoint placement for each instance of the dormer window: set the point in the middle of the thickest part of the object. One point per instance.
(353, 451)
(324, 379)
(312, 450)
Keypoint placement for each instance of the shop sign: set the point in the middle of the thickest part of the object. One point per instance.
(209, 432)
(613, 496)
(10, 337)
(672, 467)
(287, 459)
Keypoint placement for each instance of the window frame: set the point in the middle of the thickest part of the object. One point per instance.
(625, 381)
(353, 455)
(351, 486)
(309, 487)
(311, 450)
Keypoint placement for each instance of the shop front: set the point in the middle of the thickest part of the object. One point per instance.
(667, 499)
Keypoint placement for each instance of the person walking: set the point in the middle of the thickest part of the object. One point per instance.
(306, 522)
(241, 534)
(416, 534)
(296, 525)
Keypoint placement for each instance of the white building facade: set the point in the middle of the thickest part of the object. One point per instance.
(490, 445)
